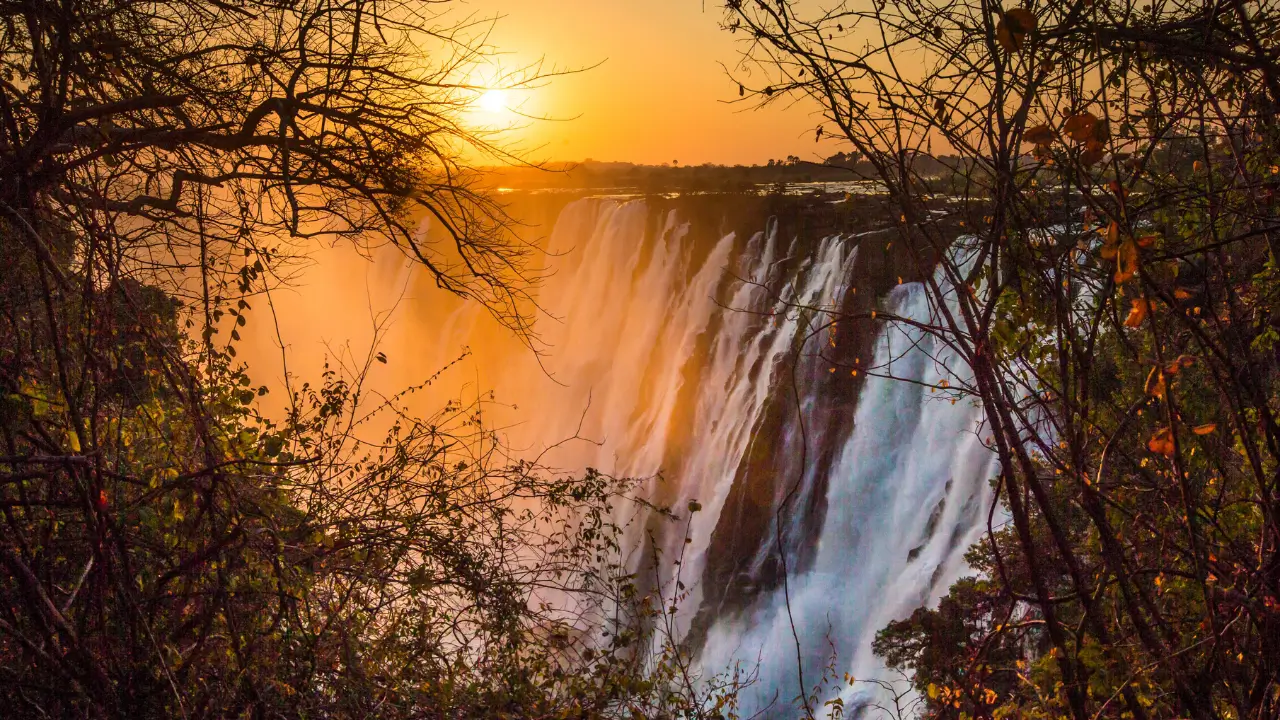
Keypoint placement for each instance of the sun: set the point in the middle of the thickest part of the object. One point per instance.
(493, 101)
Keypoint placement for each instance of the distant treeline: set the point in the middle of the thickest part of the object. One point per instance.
(591, 174)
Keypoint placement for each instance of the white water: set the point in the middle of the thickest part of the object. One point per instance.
(912, 452)
(668, 363)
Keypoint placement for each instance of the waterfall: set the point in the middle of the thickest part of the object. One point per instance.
(692, 355)
(695, 345)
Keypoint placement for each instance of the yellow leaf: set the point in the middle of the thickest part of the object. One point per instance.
(1162, 442)
(933, 691)
(1204, 429)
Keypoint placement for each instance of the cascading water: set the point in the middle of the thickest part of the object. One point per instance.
(682, 369)
(905, 497)
(703, 354)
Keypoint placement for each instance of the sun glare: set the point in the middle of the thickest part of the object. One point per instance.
(493, 101)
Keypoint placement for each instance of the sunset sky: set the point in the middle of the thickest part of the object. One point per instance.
(658, 95)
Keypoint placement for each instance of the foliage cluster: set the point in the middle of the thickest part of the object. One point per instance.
(168, 551)
(1115, 301)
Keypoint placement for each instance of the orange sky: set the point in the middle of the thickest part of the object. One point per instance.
(657, 97)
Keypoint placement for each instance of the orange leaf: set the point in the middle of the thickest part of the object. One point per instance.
(1004, 36)
(1204, 429)
(1110, 241)
(1023, 20)
(1137, 313)
(1155, 383)
(1177, 364)
(1147, 241)
(1101, 133)
(1182, 293)
(1080, 127)
(1040, 135)
(1013, 28)
(1162, 442)
(1126, 261)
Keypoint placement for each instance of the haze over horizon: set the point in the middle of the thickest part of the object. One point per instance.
(656, 92)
